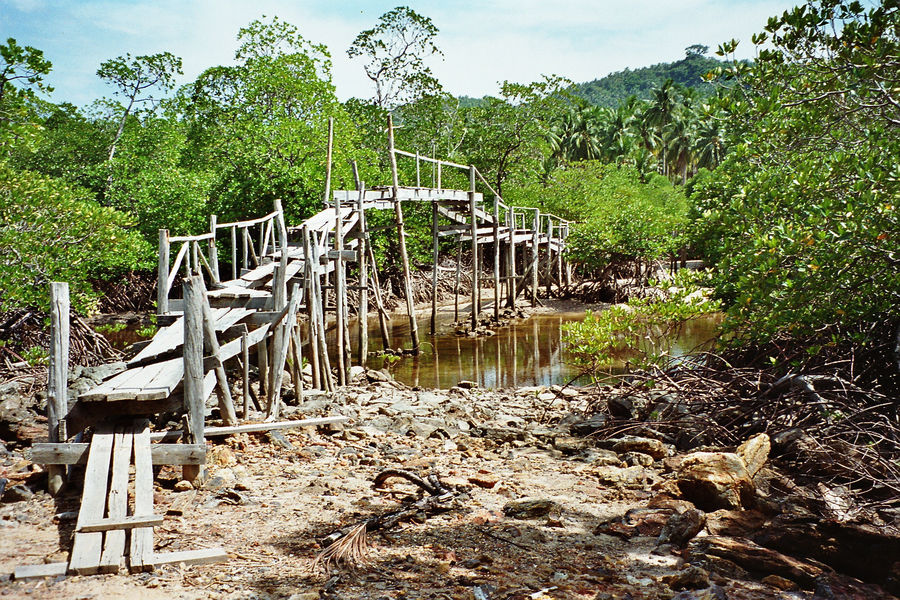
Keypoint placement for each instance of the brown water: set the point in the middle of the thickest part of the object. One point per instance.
(528, 352)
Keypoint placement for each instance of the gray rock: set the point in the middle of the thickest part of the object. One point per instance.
(590, 426)
(637, 459)
(17, 493)
(654, 448)
(276, 438)
(466, 384)
(682, 528)
(714, 480)
(620, 407)
(101, 372)
(530, 508)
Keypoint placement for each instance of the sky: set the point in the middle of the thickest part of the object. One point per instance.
(484, 43)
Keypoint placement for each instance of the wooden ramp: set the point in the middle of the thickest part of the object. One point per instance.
(112, 532)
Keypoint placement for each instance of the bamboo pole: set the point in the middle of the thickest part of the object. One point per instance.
(476, 292)
(162, 274)
(496, 258)
(404, 259)
(193, 367)
(58, 379)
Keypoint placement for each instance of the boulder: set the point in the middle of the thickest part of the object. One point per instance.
(682, 528)
(715, 480)
(530, 508)
(644, 445)
(755, 452)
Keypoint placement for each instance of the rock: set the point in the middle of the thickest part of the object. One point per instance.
(276, 438)
(713, 592)
(734, 523)
(604, 458)
(17, 493)
(623, 477)
(466, 384)
(654, 448)
(689, 578)
(375, 376)
(620, 407)
(530, 508)
(183, 486)
(484, 480)
(755, 452)
(781, 583)
(570, 445)
(681, 528)
(637, 459)
(754, 557)
(356, 372)
(715, 480)
(101, 372)
(221, 456)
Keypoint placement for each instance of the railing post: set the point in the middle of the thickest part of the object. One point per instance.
(476, 292)
(58, 379)
(162, 275)
(497, 258)
(213, 250)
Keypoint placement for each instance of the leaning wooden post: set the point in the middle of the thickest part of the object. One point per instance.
(496, 258)
(362, 250)
(283, 337)
(434, 267)
(340, 296)
(376, 289)
(226, 404)
(213, 250)
(282, 228)
(193, 367)
(535, 227)
(404, 259)
(476, 296)
(162, 274)
(58, 379)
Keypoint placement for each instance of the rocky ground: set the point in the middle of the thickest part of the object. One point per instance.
(542, 505)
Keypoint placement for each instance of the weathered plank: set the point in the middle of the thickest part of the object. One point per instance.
(120, 524)
(117, 503)
(26, 572)
(77, 454)
(141, 552)
(189, 557)
(87, 547)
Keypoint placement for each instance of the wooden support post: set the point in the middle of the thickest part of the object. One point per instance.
(213, 251)
(559, 260)
(162, 274)
(340, 293)
(282, 228)
(496, 258)
(324, 362)
(511, 259)
(297, 360)
(456, 282)
(223, 391)
(262, 360)
(283, 340)
(418, 172)
(311, 309)
(535, 232)
(194, 399)
(363, 316)
(434, 267)
(383, 324)
(58, 378)
(195, 258)
(245, 241)
(549, 279)
(404, 259)
(245, 360)
(476, 292)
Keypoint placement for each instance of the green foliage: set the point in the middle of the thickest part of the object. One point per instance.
(50, 231)
(22, 70)
(618, 216)
(108, 328)
(640, 332)
(36, 356)
(801, 218)
(395, 51)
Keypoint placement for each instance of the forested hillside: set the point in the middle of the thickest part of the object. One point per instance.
(613, 89)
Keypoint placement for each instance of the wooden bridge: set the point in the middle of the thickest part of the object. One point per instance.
(276, 272)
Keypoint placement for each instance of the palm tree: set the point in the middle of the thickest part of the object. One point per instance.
(660, 112)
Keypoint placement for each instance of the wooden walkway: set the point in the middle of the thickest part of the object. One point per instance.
(222, 319)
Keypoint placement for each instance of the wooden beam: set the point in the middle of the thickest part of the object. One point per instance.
(255, 427)
(26, 572)
(122, 523)
(188, 557)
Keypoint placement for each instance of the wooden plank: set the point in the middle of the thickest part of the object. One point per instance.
(109, 386)
(162, 384)
(77, 454)
(253, 427)
(141, 552)
(117, 503)
(57, 384)
(26, 572)
(87, 547)
(189, 557)
(120, 524)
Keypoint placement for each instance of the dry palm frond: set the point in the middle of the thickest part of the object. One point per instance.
(349, 548)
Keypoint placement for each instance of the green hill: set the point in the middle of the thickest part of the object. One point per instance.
(615, 88)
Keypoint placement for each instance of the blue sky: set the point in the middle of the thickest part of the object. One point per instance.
(483, 42)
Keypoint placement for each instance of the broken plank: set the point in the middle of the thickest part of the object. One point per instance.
(119, 524)
(254, 427)
(86, 549)
(189, 557)
(26, 572)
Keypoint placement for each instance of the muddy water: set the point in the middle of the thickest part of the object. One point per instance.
(528, 352)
